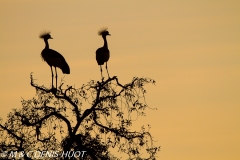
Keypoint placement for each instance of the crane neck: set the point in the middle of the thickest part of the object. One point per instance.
(46, 44)
(105, 42)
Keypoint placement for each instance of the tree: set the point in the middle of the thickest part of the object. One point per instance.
(89, 121)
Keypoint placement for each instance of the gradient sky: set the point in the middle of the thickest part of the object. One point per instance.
(191, 48)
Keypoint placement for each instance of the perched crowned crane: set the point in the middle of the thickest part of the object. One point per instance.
(103, 54)
(53, 58)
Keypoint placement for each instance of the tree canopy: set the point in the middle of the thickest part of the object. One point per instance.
(90, 122)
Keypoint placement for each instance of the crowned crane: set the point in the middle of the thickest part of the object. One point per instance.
(53, 58)
(103, 54)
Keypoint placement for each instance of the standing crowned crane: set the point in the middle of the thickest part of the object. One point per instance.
(103, 54)
(53, 58)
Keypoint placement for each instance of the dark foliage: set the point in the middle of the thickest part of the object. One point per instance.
(95, 118)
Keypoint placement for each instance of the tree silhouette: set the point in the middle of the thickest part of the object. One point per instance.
(95, 118)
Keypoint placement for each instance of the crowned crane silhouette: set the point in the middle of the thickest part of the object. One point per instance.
(53, 58)
(103, 54)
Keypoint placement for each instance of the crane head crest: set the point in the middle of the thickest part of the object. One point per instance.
(103, 31)
(45, 35)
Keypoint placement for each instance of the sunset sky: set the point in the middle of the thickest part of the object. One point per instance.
(190, 48)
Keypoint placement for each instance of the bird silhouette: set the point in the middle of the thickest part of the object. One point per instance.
(53, 58)
(103, 54)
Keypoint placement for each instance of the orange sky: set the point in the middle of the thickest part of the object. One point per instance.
(191, 49)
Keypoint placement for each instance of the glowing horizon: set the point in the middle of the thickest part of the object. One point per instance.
(191, 49)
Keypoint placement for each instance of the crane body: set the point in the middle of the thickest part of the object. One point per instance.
(103, 53)
(53, 58)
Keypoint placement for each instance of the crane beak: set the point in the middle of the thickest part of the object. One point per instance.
(109, 34)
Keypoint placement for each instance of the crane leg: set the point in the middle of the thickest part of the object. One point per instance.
(107, 70)
(52, 75)
(101, 70)
(56, 76)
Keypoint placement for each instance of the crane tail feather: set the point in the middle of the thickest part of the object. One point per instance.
(66, 69)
